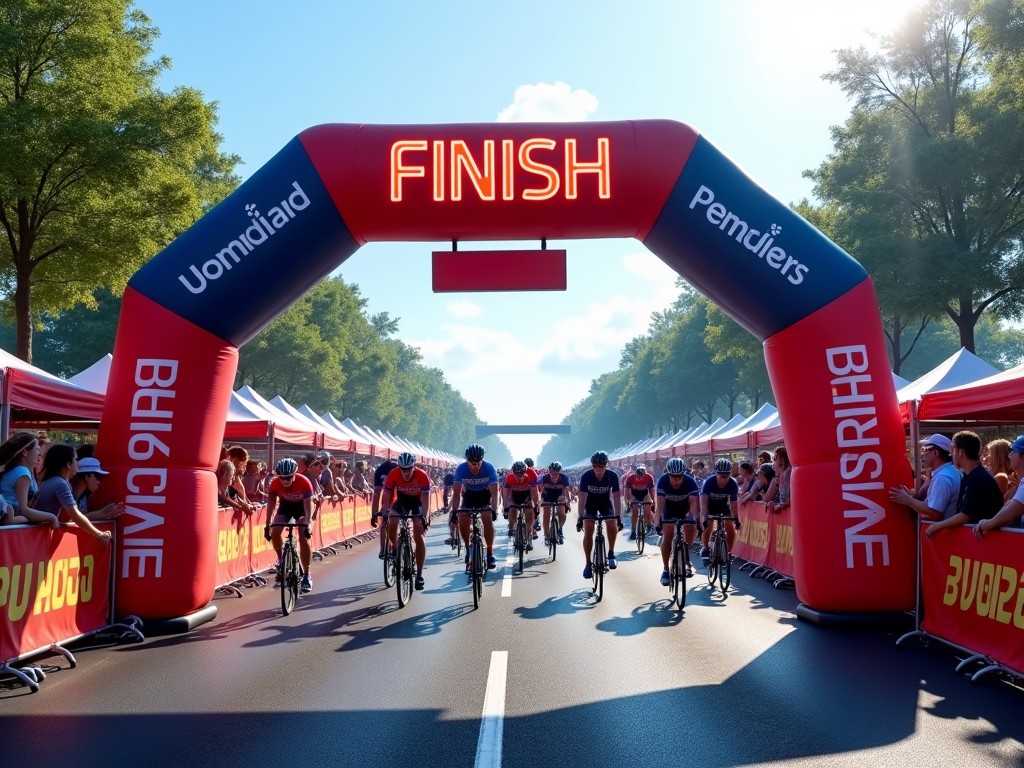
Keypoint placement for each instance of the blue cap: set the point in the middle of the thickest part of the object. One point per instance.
(1018, 445)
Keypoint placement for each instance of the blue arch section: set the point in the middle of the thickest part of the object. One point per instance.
(274, 238)
(765, 265)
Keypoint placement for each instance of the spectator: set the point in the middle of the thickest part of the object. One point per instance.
(1013, 510)
(227, 494)
(764, 458)
(310, 466)
(238, 457)
(18, 459)
(762, 482)
(746, 478)
(777, 497)
(251, 480)
(943, 485)
(86, 482)
(359, 482)
(55, 495)
(997, 460)
(979, 496)
(86, 451)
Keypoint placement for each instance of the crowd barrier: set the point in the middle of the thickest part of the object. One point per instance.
(243, 552)
(972, 597)
(56, 586)
(765, 541)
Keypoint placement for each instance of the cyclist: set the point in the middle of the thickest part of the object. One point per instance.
(677, 505)
(448, 481)
(476, 487)
(407, 489)
(554, 487)
(290, 496)
(534, 478)
(599, 499)
(641, 485)
(718, 496)
(379, 475)
(518, 489)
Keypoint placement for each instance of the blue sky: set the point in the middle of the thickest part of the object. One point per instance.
(745, 73)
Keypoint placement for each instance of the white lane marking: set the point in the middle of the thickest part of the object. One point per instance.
(510, 560)
(492, 722)
(506, 586)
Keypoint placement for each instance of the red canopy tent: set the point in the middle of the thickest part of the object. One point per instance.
(31, 397)
(996, 399)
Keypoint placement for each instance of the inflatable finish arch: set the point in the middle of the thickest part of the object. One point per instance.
(336, 187)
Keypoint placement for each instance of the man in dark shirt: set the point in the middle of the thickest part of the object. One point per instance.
(980, 496)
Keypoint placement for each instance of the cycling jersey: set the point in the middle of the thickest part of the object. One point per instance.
(552, 490)
(640, 485)
(407, 492)
(599, 492)
(381, 472)
(719, 496)
(476, 487)
(676, 505)
(290, 497)
(449, 479)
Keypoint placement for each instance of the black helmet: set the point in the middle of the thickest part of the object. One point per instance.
(406, 460)
(723, 466)
(600, 458)
(519, 468)
(474, 452)
(555, 466)
(528, 462)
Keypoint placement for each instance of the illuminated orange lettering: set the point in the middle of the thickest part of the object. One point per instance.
(462, 160)
(399, 170)
(574, 167)
(508, 154)
(543, 170)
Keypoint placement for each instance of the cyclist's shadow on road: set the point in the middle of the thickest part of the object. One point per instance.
(575, 601)
(654, 615)
(407, 628)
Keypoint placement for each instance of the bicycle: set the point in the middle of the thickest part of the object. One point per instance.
(599, 555)
(719, 559)
(288, 568)
(404, 559)
(641, 529)
(678, 562)
(522, 538)
(453, 532)
(554, 533)
(476, 568)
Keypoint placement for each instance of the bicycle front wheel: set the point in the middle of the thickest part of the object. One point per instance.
(599, 565)
(724, 564)
(553, 536)
(712, 564)
(289, 574)
(406, 572)
(641, 532)
(679, 577)
(389, 565)
(478, 570)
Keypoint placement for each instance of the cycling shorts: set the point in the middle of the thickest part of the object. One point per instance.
(640, 495)
(594, 514)
(520, 497)
(678, 517)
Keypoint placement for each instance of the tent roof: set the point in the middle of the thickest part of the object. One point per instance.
(997, 398)
(286, 428)
(40, 395)
(94, 378)
(956, 370)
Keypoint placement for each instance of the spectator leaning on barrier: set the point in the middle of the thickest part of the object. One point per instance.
(943, 486)
(979, 495)
(997, 459)
(85, 483)
(18, 459)
(777, 497)
(1011, 514)
(227, 494)
(55, 495)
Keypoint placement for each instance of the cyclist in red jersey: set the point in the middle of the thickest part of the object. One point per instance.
(640, 484)
(407, 491)
(519, 489)
(290, 499)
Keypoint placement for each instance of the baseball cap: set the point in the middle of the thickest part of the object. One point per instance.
(1018, 445)
(939, 441)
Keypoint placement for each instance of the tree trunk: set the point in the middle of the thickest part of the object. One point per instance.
(23, 313)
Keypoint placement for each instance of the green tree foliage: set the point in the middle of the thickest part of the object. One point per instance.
(926, 175)
(99, 169)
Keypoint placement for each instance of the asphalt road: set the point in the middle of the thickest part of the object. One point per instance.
(351, 679)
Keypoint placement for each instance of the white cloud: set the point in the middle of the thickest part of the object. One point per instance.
(462, 309)
(548, 102)
(648, 266)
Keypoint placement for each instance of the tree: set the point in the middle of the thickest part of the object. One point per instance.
(100, 169)
(928, 172)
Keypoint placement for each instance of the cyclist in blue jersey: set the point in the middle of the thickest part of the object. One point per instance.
(554, 489)
(379, 476)
(598, 500)
(476, 487)
(677, 505)
(719, 496)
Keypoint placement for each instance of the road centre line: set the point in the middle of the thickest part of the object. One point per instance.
(492, 720)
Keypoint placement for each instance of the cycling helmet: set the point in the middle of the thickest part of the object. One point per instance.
(554, 466)
(286, 467)
(723, 465)
(474, 452)
(519, 468)
(528, 462)
(675, 466)
(640, 470)
(599, 457)
(406, 460)
(324, 456)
